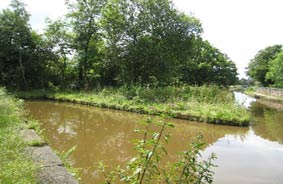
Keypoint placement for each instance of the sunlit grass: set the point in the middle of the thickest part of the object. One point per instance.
(15, 167)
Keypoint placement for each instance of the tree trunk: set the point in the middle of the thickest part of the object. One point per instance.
(80, 74)
(86, 82)
(22, 68)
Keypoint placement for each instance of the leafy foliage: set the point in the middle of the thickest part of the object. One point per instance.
(259, 66)
(84, 18)
(209, 66)
(276, 70)
(23, 54)
(148, 39)
(59, 40)
(147, 166)
(114, 42)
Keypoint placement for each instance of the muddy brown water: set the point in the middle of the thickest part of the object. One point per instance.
(245, 155)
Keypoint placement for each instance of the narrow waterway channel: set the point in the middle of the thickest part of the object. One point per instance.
(245, 155)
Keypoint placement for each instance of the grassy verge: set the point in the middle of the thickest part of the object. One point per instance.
(209, 104)
(15, 167)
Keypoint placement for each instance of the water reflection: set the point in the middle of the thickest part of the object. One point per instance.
(104, 135)
(243, 99)
(249, 160)
(268, 123)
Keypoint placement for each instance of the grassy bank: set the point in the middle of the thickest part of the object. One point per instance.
(15, 167)
(209, 104)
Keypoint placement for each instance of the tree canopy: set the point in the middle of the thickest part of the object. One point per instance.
(275, 72)
(259, 65)
(113, 42)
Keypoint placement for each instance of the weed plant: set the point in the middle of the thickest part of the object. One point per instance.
(146, 167)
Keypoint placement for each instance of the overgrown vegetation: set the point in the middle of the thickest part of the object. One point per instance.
(210, 104)
(65, 157)
(147, 166)
(15, 167)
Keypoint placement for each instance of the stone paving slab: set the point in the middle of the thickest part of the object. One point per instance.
(55, 175)
(29, 135)
(52, 170)
(44, 156)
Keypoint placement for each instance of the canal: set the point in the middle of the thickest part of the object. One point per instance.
(245, 155)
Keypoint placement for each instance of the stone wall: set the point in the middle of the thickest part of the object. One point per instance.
(271, 91)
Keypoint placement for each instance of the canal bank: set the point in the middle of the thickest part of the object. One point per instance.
(266, 94)
(24, 156)
(210, 104)
(51, 168)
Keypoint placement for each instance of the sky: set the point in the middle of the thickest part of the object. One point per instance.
(239, 28)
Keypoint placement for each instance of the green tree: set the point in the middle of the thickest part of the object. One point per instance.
(85, 17)
(208, 65)
(258, 66)
(15, 40)
(147, 40)
(39, 55)
(60, 41)
(114, 42)
(275, 72)
(23, 53)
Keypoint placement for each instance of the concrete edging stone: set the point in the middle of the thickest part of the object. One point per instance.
(52, 170)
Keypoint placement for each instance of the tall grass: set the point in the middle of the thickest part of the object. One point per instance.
(15, 167)
(211, 104)
(209, 94)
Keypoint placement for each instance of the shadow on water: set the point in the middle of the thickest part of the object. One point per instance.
(105, 135)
